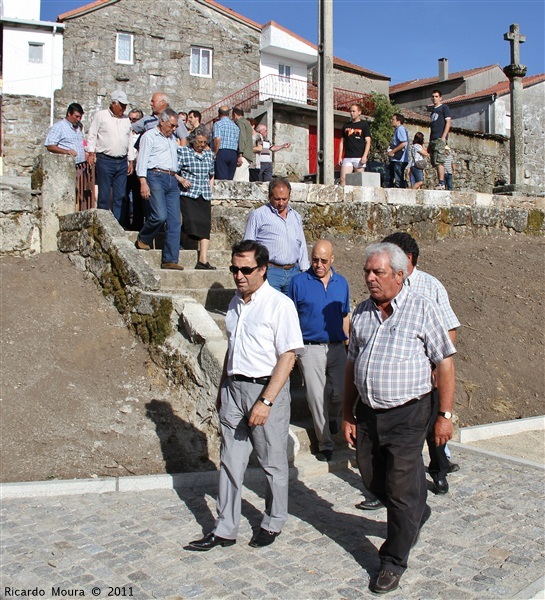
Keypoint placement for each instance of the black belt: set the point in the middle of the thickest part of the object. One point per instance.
(166, 171)
(259, 380)
(113, 157)
(307, 343)
(285, 267)
(413, 401)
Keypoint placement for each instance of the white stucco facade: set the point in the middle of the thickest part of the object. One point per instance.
(20, 73)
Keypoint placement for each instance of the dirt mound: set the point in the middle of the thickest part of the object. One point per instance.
(81, 398)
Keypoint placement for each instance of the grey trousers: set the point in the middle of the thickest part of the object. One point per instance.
(323, 370)
(271, 445)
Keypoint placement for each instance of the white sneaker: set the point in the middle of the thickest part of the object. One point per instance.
(441, 186)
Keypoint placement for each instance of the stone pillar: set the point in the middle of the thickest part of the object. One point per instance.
(326, 160)
(56, 173)
(515, 72)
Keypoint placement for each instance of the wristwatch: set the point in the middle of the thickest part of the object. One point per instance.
(445, 415)
(266, 402)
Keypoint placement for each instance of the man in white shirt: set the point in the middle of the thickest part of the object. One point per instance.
(263, 337)
(112, 154)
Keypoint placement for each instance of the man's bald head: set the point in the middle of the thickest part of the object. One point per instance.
(322, 258)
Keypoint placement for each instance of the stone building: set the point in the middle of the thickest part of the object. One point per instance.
(196, 51)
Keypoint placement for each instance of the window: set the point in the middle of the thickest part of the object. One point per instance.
(35, 52)
(124, 49)
(201, 62)
(284, 70)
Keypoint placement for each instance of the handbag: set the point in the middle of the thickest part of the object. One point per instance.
(420, 164)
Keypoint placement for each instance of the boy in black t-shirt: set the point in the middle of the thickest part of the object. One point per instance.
(355, 143)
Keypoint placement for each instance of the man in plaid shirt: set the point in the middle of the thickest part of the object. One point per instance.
(395, 337)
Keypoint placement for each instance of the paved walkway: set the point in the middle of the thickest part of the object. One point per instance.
(485, 540)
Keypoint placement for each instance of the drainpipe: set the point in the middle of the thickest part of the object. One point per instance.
(52, 100)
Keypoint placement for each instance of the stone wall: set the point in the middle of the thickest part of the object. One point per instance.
(25, 122)
(534, 134)
(163, 35)
(370, 213)
(19, 217)
(182, 337)
(347, 80)
(481, 159)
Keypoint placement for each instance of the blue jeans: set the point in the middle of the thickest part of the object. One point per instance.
(164, 209)
(397, 170)
(111, 177)
(280, 278)
(448, 181)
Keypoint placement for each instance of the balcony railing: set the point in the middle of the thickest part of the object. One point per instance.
(287, 89)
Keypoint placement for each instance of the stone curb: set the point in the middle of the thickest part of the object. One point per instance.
(535, 591)
(522, 461)
(486, 432)
(306, 466)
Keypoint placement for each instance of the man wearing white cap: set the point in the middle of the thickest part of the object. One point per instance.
(112, 154)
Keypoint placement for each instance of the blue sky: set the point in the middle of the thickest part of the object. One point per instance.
(401, 39)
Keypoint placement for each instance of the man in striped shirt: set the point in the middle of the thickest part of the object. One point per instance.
(280, 229)
(395, 337)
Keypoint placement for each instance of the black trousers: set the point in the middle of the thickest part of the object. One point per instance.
(389, 455)
(439, 462)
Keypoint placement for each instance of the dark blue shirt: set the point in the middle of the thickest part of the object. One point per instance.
(321, 310)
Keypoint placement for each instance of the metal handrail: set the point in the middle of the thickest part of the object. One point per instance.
(289, 89)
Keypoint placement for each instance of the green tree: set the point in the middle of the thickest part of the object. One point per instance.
(381, 127)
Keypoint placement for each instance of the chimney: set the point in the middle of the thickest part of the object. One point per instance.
(443, 69)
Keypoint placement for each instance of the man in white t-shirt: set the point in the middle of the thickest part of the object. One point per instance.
(263, 337)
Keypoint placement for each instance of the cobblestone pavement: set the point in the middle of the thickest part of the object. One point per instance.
(485, 539)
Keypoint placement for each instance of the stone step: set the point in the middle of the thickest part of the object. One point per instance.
(188, 258)
(303, 430)
(195, 279)
(218, 241)
(214, 299)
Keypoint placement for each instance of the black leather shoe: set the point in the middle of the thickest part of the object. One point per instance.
(324, 455)
(385, 582)
(263, 538)
(373, 504)
(204, 266)
(453, 467)
(210, 541)
(440, 486)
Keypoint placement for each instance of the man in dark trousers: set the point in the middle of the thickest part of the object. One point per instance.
(395, 337)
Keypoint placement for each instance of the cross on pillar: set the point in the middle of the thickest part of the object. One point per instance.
(515, 39)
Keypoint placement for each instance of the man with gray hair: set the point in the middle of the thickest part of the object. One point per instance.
(395, 337)
(156, 168)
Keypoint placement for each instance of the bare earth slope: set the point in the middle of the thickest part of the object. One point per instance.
(76, 384)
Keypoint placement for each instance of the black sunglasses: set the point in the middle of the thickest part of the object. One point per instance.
(244, 270)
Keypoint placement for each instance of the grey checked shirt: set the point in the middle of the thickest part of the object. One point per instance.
(393, 357)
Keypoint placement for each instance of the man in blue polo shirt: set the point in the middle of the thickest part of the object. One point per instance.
(322, 299)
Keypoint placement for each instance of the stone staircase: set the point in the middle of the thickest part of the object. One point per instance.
(214, 290)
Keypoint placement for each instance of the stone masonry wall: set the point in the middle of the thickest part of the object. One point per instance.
(182, 337)
(163, 35)
(25, 122)
(534, 134)
(19, 217)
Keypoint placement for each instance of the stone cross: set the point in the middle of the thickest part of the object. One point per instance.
(515, 71)
(515, 38)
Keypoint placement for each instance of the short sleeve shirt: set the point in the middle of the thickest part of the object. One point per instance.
(354, 134)
(260, 331)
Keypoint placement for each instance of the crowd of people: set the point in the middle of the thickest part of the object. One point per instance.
(407, 162)
(156, 172)
(384, 372)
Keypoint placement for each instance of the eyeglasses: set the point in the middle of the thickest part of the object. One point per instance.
(244, 270)
(134, 119)
(324, 261)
